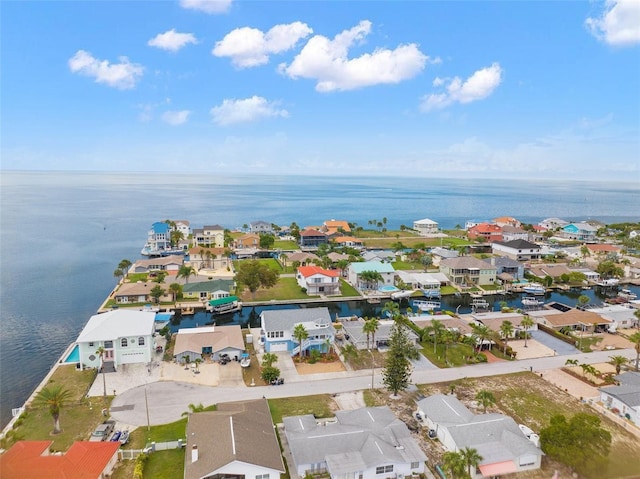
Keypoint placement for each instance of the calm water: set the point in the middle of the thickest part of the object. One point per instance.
(63, 234)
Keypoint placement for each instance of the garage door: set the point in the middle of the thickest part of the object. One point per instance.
(129, 358)
(278, 347)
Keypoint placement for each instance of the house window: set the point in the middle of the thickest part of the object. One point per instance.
(90, 344)
(262, 476)
(123, 342)
(140, 341)
(108, 344)
(415, 465)
(383, 469)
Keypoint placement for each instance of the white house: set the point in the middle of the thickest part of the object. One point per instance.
(519, 249)
(126, 336)
(497, 438)
(317, 280)
(624, 399)
(260, 227)
(579, 231)
(366, 443)
(278, 326)
(553, 223)
(238, 440)
(425, 227)
(622, 316)
(385, 270)
(213, 340)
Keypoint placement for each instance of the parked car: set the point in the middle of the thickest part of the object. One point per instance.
(124, 437)
(101, 433)
(116, 436)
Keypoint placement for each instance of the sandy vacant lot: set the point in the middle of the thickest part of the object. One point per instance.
(317, 368)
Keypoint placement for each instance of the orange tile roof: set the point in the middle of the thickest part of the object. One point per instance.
(486, 228)
(307, 271)
(345, 239)
(603, 248)
(32, 460)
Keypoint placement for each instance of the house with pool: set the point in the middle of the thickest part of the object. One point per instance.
(125, 335)
(278, 326)
(356, 270)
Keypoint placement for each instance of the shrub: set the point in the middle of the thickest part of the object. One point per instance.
(141, 461)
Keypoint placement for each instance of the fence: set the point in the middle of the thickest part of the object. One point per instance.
(129, 453)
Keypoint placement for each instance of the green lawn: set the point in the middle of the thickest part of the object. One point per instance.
(347, 289)
(286, 288)
(135, 277)
(77, 419)
(320, 405)
(165, 465)
(286, 245)
(456, 354)
(403, 265)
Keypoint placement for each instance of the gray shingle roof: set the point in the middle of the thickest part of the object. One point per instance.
(519, 244)
(286, 319)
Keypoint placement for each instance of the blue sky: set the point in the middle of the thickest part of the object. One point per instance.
(418, 89)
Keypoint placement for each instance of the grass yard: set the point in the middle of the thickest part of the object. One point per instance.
(347, 289)
(456, 354)
(77, 420)
(404, 265)
(320, 405)
(286, 245)
(173, 431)
(286, 288)
(165, 465)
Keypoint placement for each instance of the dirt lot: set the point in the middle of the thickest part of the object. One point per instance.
(530, 400)
(611, 341)
(320, 367)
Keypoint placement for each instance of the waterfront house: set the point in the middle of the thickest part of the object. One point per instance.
(248, 241)
(132, 293)
(366, 443)
(238, 440)
(604, 251)
(206, 290)
(429, 283)
(572, 319)
(579, 231)
(623, 399)
(494, 319)
(278, 326)
(159, 237)
(125, 335)
(426, 227)
(201, 257)
(170, 264)
(553, 223)
(302, 258)
(510, 233)
(621, 316)
(312, 238)
(438, 254)
(355, 270)
(468, 270)
(335, 227)
(212, 235)
(261, 227)
(519, 249)
(83, 460)
(379, 255)
(457, 325)
(349, 241)
(503, 221)
(208, 340)
(184, 227)
(497, 438)
(318, 281)
(354, 334)
(507, 269)
(487, 231)
(552, 270)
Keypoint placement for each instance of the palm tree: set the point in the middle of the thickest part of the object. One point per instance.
(176, 290)
(118, 274)
(185, 272)
(486, 398)
(447, 338)
(436, 328)
(618, 361)
(197, 361)
(527, 322)
(370, 327)
(300, 334)
(124, 266)
(483, 333)
(193, 408)
(571, 362)
(349, 351)
(370, 278)
(454, 464)
(635, 339)
(391, 309)
(506, 330)
(471, 459)
(268, 359)
(187, 360)
(100, 352)
(284, 258)
(55, 398)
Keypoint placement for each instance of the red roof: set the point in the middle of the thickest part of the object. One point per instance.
(486, 228)
(311, 232)
(307, 271)
(603, 248)
(32, 460)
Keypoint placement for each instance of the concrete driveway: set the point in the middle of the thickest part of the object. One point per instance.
(560, 347)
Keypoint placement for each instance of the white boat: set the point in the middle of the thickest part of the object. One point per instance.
(423, 305)
(530, 301)
(401, 294)
(534, 288)
(230, 304)
(479, 304)
(627, 294)
(245, 360)
(608, 282)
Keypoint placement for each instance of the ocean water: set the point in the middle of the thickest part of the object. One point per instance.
(63, 234)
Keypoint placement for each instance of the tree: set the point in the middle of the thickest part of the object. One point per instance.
(506, 330)
(267, 241)
(435, 329)
(527, 322)
(55, 398)
(124, 266)
(187, 360)
(454, 464)
(175, 236)
(160, 276)
(197, 361)
(397, 371)
(118, 274)
(635, 339)
(370, 327)
(156, 293)
(270, 373)
(608, 269)
(176, 290)
(284, 257)
(447, 337)
(483, 333)
(486, 398)
(253, 275)
(618, 362)
(583, 299)
(342, 264)
(349, 351)
(584, 251)
(571, 362)
(392, 310)
(580, 442)
(471, 459)
(268, 359)
(370, 279)
(185, 272)
(100, 352)
(300, 334)
(193, 408)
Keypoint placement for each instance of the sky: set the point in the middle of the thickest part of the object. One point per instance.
(477, 89)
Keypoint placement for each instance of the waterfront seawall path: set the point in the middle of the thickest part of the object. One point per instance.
(168, 400)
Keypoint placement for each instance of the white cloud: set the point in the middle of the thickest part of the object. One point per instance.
(176, 117)
(327, 62)
(619, 24)
(207, 6)
(478, 86)
(245, 110)
(250, 47)
(172, 40)
(123, 75)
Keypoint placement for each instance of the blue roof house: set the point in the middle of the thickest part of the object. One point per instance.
(159, 237)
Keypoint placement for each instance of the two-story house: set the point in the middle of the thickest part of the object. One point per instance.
(336, 227)
(510, 233)
(426, 227)
(579, 231)
(507, 269)
(312, 238)
(248, 241)
(158, 237)
(278, 326)
(212, 235)
(260, 227)
(487, 231)
(355, 274)
(520, 250)
(468, 270)
(318, 281)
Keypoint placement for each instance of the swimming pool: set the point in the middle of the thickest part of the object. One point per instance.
(74, 355)
(388, 289)
(163, 316)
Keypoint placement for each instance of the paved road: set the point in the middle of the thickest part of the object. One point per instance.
(168, 400)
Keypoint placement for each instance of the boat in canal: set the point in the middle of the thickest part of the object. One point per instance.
(534, 288)
(229, 304)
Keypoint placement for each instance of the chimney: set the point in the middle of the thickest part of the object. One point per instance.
(194, 453)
